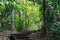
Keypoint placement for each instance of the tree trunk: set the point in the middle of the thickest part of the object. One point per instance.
(45, 19)
(13, 28)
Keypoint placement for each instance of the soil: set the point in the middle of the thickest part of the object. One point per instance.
(34, 35)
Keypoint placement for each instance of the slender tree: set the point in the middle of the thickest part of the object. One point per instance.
(44, 15)
(13, 28)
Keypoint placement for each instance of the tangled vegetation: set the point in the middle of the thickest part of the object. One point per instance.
(30, 15)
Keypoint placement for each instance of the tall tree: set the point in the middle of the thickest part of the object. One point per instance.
(45, 17)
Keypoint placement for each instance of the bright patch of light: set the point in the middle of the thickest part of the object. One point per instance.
(14, 2)
(21, 12)
(0, 13)
(7, 2)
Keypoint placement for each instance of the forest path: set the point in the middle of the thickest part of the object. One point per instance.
(4, 35)
(0, 38)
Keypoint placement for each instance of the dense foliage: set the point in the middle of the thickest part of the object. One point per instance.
(28, 15)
